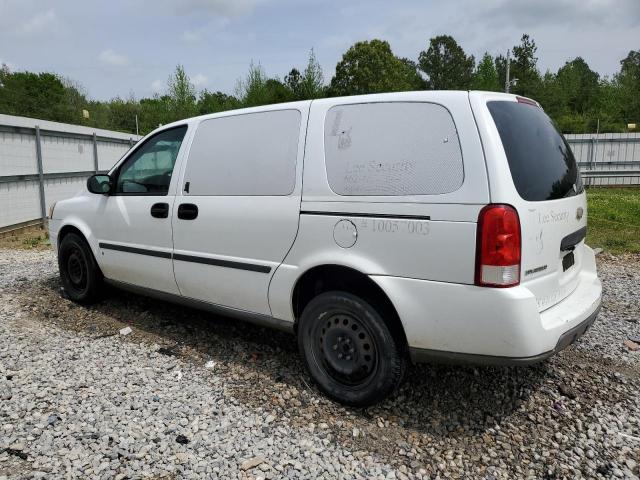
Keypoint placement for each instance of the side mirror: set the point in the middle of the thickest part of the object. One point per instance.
(100, 184)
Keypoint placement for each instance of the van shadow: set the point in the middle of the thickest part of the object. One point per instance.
(439, 400)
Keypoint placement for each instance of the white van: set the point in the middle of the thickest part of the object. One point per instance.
(381, 229)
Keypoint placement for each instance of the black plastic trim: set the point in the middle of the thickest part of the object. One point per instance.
(571, 240)
(422, 355)
(251, 267)
(140, 251)
(222, 263)
(366, 215)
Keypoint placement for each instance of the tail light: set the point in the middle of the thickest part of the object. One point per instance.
(498, 247)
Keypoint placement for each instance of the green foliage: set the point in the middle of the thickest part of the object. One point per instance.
(371, 67)
(182, 95)
(628, 87)
(257, 89)
(524, 68)
(485, 76)
(38, 95)
(446, 64)
(212, 102)
(575, 96)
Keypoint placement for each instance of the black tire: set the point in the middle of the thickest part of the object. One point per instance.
(81, 277)
(349, 350)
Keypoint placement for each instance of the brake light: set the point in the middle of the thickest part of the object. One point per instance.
(498, 248)
(527, 101)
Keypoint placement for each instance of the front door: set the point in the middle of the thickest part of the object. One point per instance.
(134, 222)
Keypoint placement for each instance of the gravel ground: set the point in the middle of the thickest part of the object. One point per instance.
(190, 395)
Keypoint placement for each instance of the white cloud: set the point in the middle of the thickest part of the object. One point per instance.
(199, 80)
(39, 22)
(191, 36)
(226, 8)
(112, 58)
(157, 86)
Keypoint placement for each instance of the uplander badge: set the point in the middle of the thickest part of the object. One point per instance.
(579, 213)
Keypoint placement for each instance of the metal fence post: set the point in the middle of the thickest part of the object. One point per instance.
(95, 153)
(43, 205)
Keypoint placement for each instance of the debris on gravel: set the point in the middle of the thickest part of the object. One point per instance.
(81, 401)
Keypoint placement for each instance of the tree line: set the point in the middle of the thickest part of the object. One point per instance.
(577, 98)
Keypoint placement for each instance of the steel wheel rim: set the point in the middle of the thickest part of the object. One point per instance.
(345, 349)
(77, 270)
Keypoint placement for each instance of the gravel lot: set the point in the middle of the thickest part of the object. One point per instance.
(190, 395)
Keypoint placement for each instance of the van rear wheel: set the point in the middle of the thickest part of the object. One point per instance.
(81, 277)
(349, 350)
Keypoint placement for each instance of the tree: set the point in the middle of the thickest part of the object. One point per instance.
(446, 64)
(370, 67)
(36, 95)
(311, 83)
(524, 68)
(485, 76)
(412, 77)
(251, 90)
(155, 111)
(628, 86)
(579, 86)
(257, 89)
(182, 94)
(292, 81)
(212, 102)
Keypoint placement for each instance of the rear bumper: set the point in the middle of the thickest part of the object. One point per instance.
(464, 323)
(421, 355)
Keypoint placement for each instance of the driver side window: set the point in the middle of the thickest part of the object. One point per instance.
(148, 171)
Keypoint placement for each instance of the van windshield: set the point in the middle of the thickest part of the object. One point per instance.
(541, 162)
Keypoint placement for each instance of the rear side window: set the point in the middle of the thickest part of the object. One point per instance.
(397, 148)
(250, 154)
(541, 162)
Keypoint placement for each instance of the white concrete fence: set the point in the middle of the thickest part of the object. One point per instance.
(42, 162)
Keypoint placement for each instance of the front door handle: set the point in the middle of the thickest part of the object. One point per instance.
(187, 211)
(160, 210)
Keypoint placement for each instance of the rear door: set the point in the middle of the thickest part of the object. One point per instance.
(531, 167)
(237, 214)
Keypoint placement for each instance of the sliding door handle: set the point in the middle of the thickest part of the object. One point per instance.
(160, 210)
(187, 211)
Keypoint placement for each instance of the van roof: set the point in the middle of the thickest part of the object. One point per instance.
(424, 95)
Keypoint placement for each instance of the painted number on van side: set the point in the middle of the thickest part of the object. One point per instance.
(411, 227)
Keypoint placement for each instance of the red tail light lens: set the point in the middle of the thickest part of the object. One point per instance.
(498, 247)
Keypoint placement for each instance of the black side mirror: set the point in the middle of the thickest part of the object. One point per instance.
(100, 184)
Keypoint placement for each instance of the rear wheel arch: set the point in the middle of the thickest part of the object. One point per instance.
(333, 277)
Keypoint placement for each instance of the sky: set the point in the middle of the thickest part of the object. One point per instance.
(130, 47)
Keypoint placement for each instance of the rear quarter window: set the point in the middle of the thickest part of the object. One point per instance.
(540, 160)
(397, 148)
(247, 154)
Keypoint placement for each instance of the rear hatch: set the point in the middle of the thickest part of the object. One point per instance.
(550, 198)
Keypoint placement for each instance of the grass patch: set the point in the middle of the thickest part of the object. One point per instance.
(614, 219)
(28, 239)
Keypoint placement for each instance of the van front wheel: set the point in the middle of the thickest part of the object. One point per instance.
(81, 277)
(349, 350)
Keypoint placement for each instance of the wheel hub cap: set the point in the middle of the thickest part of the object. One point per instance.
(347, 349)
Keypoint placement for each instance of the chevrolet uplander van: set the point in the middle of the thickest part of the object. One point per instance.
(381, 229)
